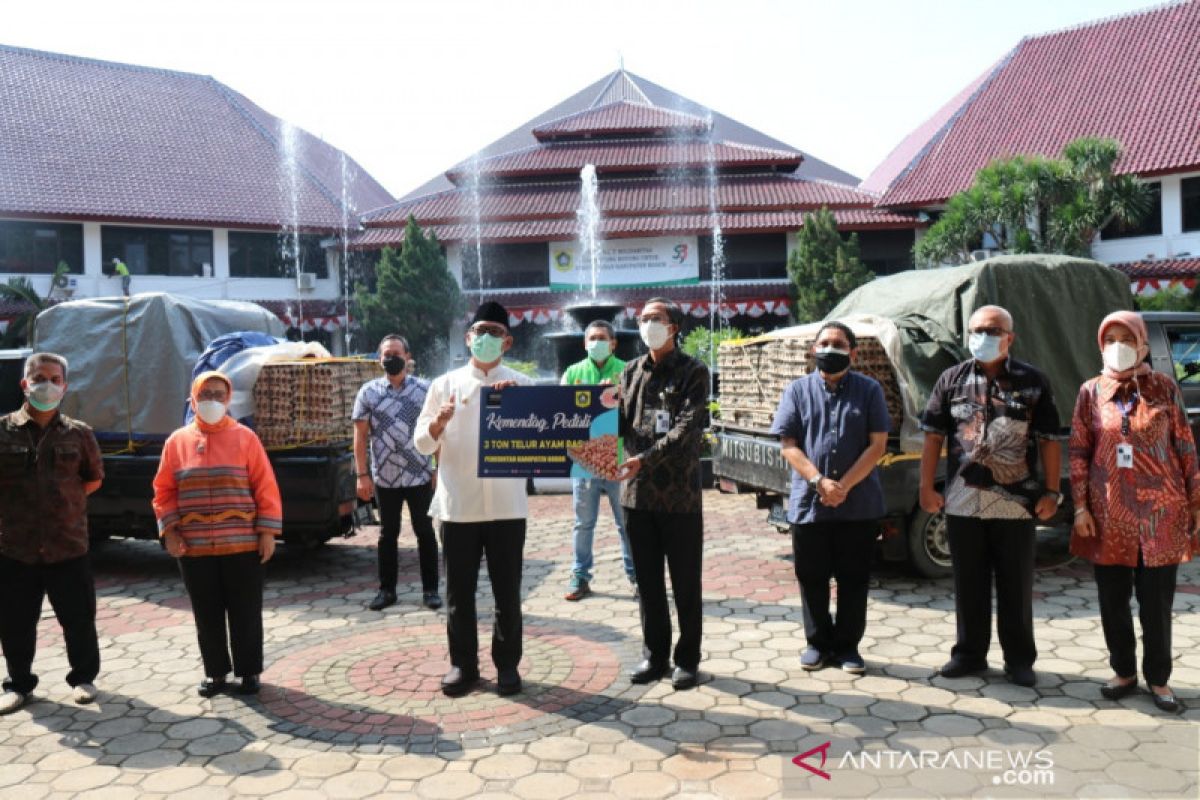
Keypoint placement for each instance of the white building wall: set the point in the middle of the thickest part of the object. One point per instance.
(1173, 243)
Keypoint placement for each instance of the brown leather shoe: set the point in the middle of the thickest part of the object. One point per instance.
(579, 591)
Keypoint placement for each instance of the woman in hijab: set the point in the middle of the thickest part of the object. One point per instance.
(219, 510)
(1137, 502)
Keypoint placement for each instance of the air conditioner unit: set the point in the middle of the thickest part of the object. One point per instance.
(306, 281)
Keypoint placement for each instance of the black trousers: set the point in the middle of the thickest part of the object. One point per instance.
(1155, 588)
(677, 539)
(464, 545)
(391, 503)
(72, 594)
(842, 551)
(979, 550)
(226, 594)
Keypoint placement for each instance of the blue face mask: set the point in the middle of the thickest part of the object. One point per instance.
(984, 347)
(486, 348)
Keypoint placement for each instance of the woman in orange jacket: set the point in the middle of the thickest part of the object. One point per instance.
(219, 510)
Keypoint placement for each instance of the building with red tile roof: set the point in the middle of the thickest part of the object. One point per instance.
(668, 172)
(181, 177)
(1134, 78)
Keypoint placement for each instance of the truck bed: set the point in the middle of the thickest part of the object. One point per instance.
(316, 483)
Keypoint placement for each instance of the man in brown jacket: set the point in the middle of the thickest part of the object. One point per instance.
(49, 464)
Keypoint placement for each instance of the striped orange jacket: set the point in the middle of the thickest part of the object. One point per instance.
(217, 488)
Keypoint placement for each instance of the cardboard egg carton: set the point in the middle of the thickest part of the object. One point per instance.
(755, 375)
(308, 401)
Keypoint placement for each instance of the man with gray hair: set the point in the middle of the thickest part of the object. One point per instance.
(600, 367)
(996, 416)
(49, 464)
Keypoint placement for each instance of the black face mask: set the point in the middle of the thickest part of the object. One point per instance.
(833, 363)
(393, 365)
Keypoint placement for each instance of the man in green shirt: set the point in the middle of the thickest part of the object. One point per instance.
(119, 268)
(600, 367)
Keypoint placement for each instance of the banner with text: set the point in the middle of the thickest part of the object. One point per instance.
(626, 262)
(549, 432)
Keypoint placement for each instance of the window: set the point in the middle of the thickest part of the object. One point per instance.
(749, 257)
(1190, 187)
(1151, 225)
(507, 266)
(37, 247)
(269, 255)
(157, 251)
(1185, 354)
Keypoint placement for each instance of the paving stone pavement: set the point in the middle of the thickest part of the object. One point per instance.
(351, 708)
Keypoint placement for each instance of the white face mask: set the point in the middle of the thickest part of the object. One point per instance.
(1119, 356)
(44, 395)
(654, 334)
(211, 411)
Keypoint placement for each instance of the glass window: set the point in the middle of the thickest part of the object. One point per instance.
(507, 266)
(1190, 187)
(747, 257)
(1185, 354)
(157, 251)
(254, 254)
(1151, 225)
(37, 247)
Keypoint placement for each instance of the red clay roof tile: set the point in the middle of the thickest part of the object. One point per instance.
(1133, 78)
(102, 140)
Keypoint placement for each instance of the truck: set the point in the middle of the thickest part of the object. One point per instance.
(130, 374)
(914, 324)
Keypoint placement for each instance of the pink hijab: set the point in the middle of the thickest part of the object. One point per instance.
(1137, 326)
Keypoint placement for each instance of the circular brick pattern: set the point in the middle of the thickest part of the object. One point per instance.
(382, 685)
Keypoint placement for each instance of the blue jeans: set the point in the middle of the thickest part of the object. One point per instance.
(586, 495)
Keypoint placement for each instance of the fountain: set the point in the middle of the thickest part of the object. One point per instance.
(568, 344)
(290, 241)
(476, 219)
(345, 253)
(589, 220)
(716, 295)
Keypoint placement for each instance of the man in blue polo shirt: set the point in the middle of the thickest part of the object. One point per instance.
(834, 424)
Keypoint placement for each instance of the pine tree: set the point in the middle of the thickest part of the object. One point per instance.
(824, 268)
(415, 296)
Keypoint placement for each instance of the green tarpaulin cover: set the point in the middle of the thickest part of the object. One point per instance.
(131, 359)
(1056, 302)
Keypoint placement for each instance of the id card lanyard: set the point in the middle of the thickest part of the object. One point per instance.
(1125, 448)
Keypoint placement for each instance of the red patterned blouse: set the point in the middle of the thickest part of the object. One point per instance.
(1148, 506)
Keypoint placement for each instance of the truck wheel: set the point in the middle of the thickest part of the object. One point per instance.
(929, 544)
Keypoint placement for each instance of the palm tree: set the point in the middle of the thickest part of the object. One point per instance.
(20, 290)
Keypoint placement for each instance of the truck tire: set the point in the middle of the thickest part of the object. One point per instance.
(929, 544)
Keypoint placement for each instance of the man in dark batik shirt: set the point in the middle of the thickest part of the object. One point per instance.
(999, 416)
(49, 464)
(664, 410)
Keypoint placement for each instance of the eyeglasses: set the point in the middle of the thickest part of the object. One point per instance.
(654, 318)
(489, 330)
(991, 331)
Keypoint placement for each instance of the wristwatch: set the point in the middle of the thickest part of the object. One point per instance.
(1058, 497)
(814, 480)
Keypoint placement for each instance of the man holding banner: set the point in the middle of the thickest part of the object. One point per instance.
(479, 516)
(600, 367)
(663, 413)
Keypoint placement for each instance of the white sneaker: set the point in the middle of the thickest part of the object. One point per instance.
(11, 701)
(85, 693)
